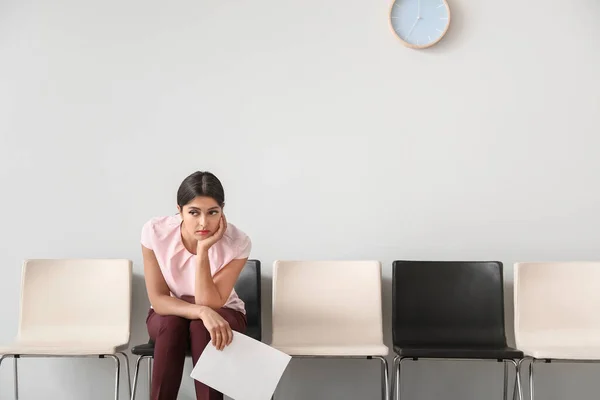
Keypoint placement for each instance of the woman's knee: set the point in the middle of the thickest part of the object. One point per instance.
(198, 331)
(173, 327)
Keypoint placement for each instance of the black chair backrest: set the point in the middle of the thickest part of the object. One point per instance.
(248, 289)
(448, 303)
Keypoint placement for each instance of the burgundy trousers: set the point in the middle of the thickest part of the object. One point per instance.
(172, 337)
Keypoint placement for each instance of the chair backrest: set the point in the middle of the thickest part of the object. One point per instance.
(446, 303)
(556, 296)
(76, 300)
(327, 303)
(248, 289)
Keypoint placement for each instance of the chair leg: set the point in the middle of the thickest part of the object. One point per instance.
(117, 373)
(515, 385)
(16, 361)
(505, 393)
(518, 389)
(531, 379)
(135, 376)
(128, 372)
(150, 360)
(1, 358)
(385, 386)
(393, 378)
(397, 385)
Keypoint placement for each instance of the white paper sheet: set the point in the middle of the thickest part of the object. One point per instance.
(245, 370)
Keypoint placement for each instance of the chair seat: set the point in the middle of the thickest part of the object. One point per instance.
(72, 348)
(334, 350)
(147, 349)
(456, 352)
(565, 344)
(580, 352)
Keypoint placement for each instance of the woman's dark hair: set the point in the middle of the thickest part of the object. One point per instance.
(200, 183)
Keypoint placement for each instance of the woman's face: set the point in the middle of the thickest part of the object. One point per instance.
(201, 217)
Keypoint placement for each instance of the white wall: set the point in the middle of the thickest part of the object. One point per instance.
(333, 142)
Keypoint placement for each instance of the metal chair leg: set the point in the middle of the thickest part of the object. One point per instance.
(393, 378)
(514, 397)
(150, 360)
(16, 360)
(397, 371)
(135, 376)
(127, 370)
(531, 379)
(505, 393)
(518, 388)
(385, 386)
(1, 358)
(117, 373)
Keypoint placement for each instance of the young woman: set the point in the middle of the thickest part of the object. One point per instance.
(191, 263)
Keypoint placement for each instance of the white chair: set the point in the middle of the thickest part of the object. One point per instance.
(556, 312)
(329, 309)
(74, 308)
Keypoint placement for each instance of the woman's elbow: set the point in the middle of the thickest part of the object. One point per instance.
(158, 305)
(158, 308)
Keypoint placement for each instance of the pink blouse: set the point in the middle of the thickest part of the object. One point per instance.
(163, 236)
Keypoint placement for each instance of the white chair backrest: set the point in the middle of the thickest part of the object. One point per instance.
(556, 296)
(76, 300)
(327, 303)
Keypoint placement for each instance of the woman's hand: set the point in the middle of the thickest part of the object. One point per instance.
(220, 332)
(204, 245)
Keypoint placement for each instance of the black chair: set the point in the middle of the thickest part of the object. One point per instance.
(450, 310)
(247, 288)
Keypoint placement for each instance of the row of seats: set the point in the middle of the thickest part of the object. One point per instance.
(440, 310)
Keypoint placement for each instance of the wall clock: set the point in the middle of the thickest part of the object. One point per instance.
(420, 24)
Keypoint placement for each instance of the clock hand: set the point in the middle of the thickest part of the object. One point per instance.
(419, 9)
(412, 28)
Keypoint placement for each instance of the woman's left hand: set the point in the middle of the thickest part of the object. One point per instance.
(204, 245)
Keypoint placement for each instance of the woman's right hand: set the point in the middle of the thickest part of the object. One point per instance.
(220, 332)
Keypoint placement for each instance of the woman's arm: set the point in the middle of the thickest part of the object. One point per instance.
(214, 291)
(165, 304)
(160, 295)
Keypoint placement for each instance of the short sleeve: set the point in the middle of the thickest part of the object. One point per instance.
(147, 234)
(244, 247)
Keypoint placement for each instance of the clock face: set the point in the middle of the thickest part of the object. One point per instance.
(420, 23)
